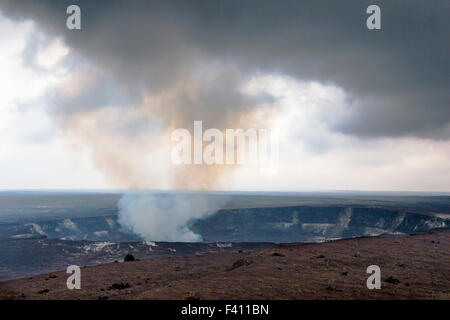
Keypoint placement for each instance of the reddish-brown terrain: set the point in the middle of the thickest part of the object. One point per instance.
(412, 267)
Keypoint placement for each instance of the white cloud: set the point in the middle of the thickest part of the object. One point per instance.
(48, 57)
(314, 157)
(32, 153)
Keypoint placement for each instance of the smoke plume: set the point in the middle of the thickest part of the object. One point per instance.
(138, 70)
(166, 217)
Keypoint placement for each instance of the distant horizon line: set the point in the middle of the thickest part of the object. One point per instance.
(323, 191)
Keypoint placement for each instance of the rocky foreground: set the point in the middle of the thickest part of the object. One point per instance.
(412, 267)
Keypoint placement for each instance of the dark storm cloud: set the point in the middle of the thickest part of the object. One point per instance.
(398, 76)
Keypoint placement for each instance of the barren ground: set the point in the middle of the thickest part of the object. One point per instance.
(332, 270)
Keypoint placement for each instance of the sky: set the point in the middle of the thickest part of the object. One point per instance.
(356, 109)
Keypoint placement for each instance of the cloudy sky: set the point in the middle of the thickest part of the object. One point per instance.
(357, 109)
